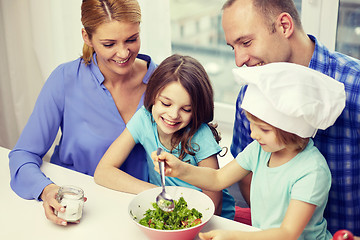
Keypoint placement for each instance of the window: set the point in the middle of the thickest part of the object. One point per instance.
(348, 28)
(202, 37)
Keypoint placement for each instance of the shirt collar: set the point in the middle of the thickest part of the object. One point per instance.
(96, 70)
(150, 65)
(320, 58)
(100, 77)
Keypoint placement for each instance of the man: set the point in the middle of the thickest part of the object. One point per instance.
(265, 31)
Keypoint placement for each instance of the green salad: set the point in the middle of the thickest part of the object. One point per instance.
(181, 217)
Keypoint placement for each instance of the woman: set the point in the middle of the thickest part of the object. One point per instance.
(91, 99)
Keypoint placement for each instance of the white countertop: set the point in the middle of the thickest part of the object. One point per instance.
(105, 214)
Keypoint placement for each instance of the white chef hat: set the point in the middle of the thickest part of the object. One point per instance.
(291, 97)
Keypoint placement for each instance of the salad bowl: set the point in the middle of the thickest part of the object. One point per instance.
(194, 198)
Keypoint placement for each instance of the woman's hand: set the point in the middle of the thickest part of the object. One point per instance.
(50, 204)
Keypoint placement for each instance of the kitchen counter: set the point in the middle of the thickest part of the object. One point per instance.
(105, 213)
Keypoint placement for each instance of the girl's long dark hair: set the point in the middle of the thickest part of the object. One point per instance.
(193, 77)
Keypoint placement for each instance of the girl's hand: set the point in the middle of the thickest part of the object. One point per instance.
(217, 235)
(174, 167)
(50, 204)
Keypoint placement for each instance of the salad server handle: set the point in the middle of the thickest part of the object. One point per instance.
(161, 168)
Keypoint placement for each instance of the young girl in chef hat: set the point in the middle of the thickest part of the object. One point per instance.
(285, 104)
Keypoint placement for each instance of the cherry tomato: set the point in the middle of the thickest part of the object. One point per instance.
(343, 235)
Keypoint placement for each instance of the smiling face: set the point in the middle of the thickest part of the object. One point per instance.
(172, 110)
(116, 45)
(251, 37)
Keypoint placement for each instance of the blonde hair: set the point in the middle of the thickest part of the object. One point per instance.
(282, 136)
(96, 12)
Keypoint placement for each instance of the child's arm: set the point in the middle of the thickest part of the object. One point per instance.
(109, 175)
(216, 197)
(202, 177)
(296, 218)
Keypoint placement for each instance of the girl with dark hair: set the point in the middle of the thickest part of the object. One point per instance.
(178, 108)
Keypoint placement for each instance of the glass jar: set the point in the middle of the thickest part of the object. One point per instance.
(72, 198)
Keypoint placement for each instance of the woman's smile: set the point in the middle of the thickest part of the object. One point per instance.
(121, 62)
